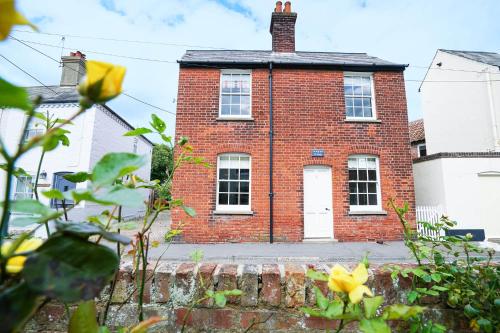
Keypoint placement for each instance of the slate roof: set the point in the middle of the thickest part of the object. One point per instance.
(489, 58)
(262, 58)
(55, 94)
(68, 94)
(417, 132)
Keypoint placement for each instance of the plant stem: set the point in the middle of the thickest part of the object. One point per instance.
(341, 324)
(142, 277)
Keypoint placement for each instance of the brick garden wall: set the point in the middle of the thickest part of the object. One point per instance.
(309, 114)
(272, 296)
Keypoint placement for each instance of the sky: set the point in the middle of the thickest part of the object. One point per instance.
(402, 31)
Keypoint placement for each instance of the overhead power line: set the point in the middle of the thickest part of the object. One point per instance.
(25, 72)
(98, 52)
(120, 40)
(58, 62)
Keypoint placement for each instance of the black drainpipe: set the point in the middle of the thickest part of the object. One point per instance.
(271, 193)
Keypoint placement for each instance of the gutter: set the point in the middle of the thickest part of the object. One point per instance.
(271, 135)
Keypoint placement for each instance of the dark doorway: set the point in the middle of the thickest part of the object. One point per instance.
(62, 185)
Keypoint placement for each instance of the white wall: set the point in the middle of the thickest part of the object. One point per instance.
(458, 115)
(93, 134)
(468, 189)
(108, 137)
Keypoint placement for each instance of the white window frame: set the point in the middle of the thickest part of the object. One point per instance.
(367, 208)
(234, 71)
(234, 208)
(30, 190)
(373, 102)
(34, 129)
(418, 149)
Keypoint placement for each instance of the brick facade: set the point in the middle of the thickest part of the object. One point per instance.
(309, 113)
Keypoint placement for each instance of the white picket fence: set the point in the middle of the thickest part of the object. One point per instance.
(431, 215)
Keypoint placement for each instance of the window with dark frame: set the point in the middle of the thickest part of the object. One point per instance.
(233, 182)
(422, 150)
(364, 189)
(24, 188)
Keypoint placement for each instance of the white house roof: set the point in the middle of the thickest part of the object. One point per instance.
(67, 94)
(489, 58)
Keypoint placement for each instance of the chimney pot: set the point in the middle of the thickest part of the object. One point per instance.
(288, 7)
(279, 7)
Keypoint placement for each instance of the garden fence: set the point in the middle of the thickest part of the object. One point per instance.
(431, 215)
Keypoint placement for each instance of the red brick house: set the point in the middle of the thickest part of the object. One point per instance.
(304, 145)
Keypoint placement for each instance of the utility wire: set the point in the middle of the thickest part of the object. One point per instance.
(57, 61)
(120, 40)
(25, 72)
(98, 52)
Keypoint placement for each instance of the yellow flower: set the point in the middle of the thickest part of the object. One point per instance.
(341, 280)
(9, 16)
(103, 81)
(16, 264)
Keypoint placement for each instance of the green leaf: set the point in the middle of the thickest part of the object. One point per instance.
(312, 312)
(70, 269)
(138, 131)
(196, 255)
(182, 141)
(497, 302)
(78, 177)
(220, 299)
(470, 311)
(53, 194)
(436, 277)
(84, 319)
(29, 206)
(412, 296)
(233, 292)
(121, 196)
(401, 312)
(485, 325)
(18, 304)
(188, 210)
(86, 229)
(158, 124)
(334, 310)
(321, 300)
(375, 325)
(115, 165)
(104, 329)
(14, 97)
(371, 305)
(317, 276)
(165, 138)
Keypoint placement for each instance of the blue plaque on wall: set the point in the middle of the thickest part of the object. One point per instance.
(318, 153)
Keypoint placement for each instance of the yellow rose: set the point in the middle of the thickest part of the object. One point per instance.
(9, 16)
(341, 280)
(102, 82)
(16, 264)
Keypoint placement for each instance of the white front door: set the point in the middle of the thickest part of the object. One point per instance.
(318, 212)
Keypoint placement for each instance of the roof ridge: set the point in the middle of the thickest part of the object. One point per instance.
(465, 51)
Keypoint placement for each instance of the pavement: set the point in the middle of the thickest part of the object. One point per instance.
(304, 253)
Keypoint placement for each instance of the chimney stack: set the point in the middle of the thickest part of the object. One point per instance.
(283, 28)
(73, 68)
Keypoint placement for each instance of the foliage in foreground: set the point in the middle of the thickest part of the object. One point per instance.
(454, 268)
(347, 302)
(72, 266)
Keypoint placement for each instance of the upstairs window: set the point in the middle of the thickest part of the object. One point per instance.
(233, 182)
(358, 93)
(422, 150)
(33, 130)
(364, 186)
(24, 188)
(235, 94)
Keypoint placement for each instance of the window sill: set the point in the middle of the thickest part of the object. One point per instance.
(356, 120)
(367, 212)
(225, 212)
(234, 119)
